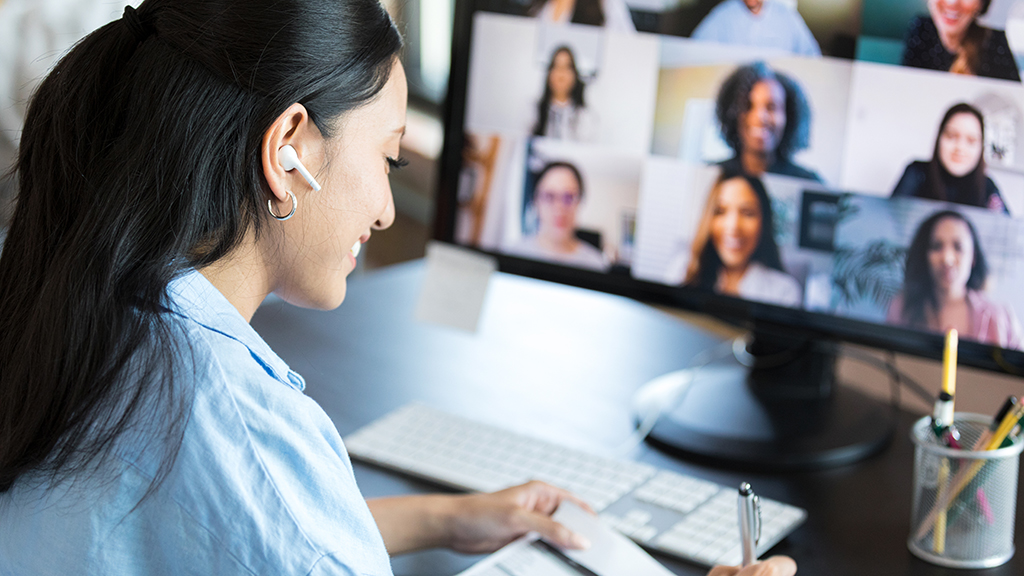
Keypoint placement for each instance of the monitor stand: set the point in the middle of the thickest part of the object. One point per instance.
(774, 405)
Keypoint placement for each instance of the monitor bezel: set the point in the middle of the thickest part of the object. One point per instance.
(741, 313)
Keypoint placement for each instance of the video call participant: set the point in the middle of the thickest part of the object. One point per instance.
(956, 172)
(562, 112)
(758, 23)
(611, 14)
(734, 251)
(556, 195)
(950, 39)
(765, 118)
(944, 282)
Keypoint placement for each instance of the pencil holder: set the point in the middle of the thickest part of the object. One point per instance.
(964, 500)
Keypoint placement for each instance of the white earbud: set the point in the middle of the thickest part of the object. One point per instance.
(290, 161)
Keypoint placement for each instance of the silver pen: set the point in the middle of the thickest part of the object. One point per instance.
(750, 523)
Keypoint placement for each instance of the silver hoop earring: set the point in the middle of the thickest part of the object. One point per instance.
(270, 207)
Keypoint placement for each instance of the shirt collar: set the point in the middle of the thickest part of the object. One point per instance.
(195, 298)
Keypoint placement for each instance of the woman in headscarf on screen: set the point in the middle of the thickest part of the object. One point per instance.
(956, 172)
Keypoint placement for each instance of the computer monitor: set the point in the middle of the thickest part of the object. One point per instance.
(814, 170)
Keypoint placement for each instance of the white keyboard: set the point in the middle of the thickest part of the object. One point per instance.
(664, 511)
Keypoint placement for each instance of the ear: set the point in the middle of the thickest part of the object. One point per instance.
(293, 127)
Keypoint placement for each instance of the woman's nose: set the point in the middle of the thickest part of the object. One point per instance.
(388, 217)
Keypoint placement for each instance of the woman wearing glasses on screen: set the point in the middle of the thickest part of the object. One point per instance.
(950, 39)
(944, 283)
(734, 251)
(956, 172)
(555, 198)
(562, 112)
(765, 118)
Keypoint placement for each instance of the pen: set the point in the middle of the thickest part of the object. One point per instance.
(750, 523)
(996, 421)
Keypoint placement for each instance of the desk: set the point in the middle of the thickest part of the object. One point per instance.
(562, 364)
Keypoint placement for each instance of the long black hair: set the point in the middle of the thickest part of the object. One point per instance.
(705, 263)
(918, 284)
(141, 158)
(575, 95)
(939, 182)
(734, 101)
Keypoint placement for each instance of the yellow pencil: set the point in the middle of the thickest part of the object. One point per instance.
(949, 362)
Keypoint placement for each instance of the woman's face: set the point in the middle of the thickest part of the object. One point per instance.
(557, 196)
(314, 251)
(951, 254)
(762, 125)
(562, 76)
(953, 17)
(736, 223)
(961, 144)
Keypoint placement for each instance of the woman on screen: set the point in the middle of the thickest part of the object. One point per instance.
(611, 14)
(944, 282)
(562, 112)
(956, 172)
(950, 39)
(765, 118)
(556, 196)
(734, 251)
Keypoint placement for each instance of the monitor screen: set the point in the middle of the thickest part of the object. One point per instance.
(850, 168)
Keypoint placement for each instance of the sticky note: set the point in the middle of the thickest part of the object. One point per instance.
(454, 286)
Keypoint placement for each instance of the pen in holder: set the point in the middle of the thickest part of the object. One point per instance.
(964, 500)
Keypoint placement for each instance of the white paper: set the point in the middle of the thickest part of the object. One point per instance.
(454, 286)
(610, 553)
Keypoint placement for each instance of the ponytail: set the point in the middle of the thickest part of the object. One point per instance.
(139, 159)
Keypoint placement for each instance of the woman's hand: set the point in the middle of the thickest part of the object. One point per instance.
(774, 566)
(482, 523)
(475, 523)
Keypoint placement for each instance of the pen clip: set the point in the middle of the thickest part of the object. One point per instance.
(757, 509)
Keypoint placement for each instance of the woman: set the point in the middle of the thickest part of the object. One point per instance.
(950, 39)
(145, 428)
(734, 251)
(612, 14)
(765, 118)
(561, 111)
(956, 172)
(556, 195)
(944, 282)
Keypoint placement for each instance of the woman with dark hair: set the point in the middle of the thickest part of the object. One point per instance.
(950, 39)
(145, 428)
(562, 112)
(956, 172)
(611, 14)
(556, 196)
(944, 283)
(734, 251)
(765, 118)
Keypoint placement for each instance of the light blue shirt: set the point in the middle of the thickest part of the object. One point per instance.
(776, 26)
(262, 483)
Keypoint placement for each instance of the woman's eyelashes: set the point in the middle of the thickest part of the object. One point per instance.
(397, 163)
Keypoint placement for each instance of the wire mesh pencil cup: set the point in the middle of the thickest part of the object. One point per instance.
(964, 501)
